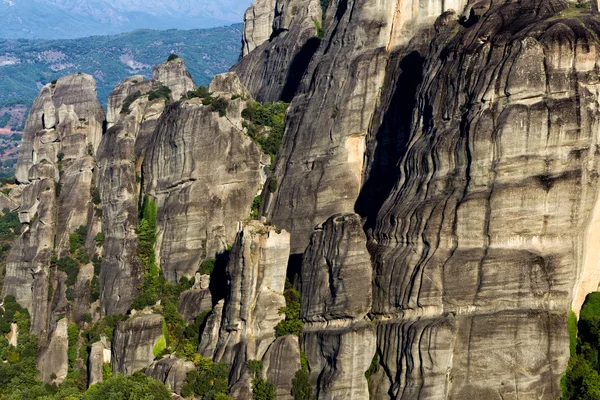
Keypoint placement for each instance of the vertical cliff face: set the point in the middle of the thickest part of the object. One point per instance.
(279, 39)
(132, 120)
(256, 278)
(319, 171)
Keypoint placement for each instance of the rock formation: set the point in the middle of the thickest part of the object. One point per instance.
(436, 192)
(171, 371)
(256, 277)
(175, 76)
(135, 343)
(279, 39)
(204, 172)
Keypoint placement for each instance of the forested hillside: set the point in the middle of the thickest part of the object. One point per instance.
(27, 65)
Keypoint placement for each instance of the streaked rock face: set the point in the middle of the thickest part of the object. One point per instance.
(171, 371)
(279, 39)
(256, 277)
(204, 172)
(133, 343)
(175, 76)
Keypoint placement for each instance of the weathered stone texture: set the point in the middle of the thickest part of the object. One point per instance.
(133, 343)
(175, 76)
(279, 40)
(336, 271)
(171, 371)
(52, 358)
(280, 364)
(256, 276)
(204, 172)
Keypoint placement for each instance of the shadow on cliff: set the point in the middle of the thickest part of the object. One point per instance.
(297, 69)
(389, 144)
(218, 278)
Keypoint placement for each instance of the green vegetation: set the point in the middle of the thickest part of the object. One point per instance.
(72, 336)
(129, 101)
(172, 57)
(265, 124)
(207, 267)
(292, 324)
(159, 347)
(320, 31)
(255, 368)
(99, 239)
(10, 228)
(208, 381)
(581, 380)
(301, 389)
(255, 208)
(373, 367)
(137, 386)
(263, 390)
(146, 232)
(206, 51)
(161, 92)
(217, 104)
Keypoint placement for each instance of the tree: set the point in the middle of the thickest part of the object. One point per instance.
(263, 390)
(301, 389)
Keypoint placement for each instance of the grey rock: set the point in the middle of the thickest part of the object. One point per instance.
(133, 343)
(120, 157)
(280, 364)
(52, 358)
(338, 359)
(336, 271)
(193, 302)
(100, 354)
(275, 56)
(175, 76)
(171, 371)
(203, 172)
(256, 275)
(210, 334)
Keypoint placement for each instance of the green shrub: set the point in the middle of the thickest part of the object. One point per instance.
(161, 92)
(373, 367)
(106, 371)
(255, 207)
(159, 347)
(128, 101)
(263, 390)
(220, 105)
(60, 156)
(137, 386)
(207, 381)
(301, 388)
(86, 317)
(96, 199)
(270, 115)
(69, 267)
(255, 368)
(292, 324)
(99, 239)
(72, 336)
(172, 57)
(572, 325)
(201, 92)
(207, 267)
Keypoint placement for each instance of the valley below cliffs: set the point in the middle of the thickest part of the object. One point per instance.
(380, 200)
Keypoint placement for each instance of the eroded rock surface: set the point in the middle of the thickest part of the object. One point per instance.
(256, 274)
(134, 343)
(278, 41)
(175, 76)
(171, 371)
(204, 172)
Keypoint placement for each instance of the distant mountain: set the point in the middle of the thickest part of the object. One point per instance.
(27, 65)
(56, 19)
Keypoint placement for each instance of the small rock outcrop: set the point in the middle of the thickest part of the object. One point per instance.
(196, 300)
(280, 364)
(135, 343)
(256, 274)
(204, 172)
(171, 371)
(175, 76)
(100, 354)
(336, 271)
(52, 360)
